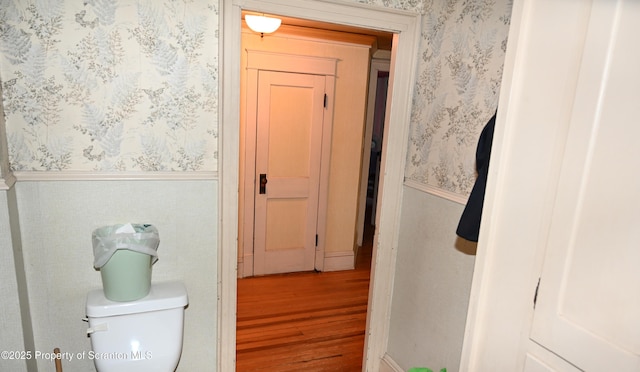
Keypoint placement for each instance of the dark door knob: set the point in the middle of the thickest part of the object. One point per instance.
(263, 183)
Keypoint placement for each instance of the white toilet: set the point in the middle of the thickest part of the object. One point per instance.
(142, 335)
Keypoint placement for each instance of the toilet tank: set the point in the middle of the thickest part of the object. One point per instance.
(141, 335)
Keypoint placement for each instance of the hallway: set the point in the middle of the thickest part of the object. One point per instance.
(304, 321)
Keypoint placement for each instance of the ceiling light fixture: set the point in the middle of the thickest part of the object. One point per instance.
(262, 24)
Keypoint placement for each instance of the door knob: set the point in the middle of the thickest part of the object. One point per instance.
(263, 183)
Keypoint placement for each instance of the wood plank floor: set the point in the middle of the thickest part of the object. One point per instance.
(304, 321)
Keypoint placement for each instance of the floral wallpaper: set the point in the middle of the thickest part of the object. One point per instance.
(462, 52)
(104, 85)
(122, 85)
(409, 5)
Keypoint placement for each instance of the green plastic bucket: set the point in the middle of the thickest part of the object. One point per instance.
(126, 276)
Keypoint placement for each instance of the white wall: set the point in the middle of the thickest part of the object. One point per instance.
(431, 288)
(57, 219)
(11, 329)
(459, 77)
(73, 205)
(80, 118)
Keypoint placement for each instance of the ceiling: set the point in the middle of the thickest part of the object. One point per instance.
(383, 38)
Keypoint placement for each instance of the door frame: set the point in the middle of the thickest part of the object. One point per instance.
(376, 65)
(269, 61)
(406, 28)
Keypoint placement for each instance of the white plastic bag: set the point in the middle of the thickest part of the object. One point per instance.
(107, 240)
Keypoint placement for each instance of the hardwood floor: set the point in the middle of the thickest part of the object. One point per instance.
(304, 321)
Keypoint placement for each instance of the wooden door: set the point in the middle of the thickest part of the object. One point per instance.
(290, 109)
(588, 301)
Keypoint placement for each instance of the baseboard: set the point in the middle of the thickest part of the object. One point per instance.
(387, 364)
(240, 269)
(245, 267)
(333, 261)
(337, 261)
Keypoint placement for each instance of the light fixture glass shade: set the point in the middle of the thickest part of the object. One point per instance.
(262, 24)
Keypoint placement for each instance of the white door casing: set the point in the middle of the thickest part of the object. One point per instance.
(404, 57)
(290, 115)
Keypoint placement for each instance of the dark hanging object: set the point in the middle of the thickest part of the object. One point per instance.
(469, 225)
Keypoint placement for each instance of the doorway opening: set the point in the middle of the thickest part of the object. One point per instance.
(370, 149)
(350, 147)
(405, 27)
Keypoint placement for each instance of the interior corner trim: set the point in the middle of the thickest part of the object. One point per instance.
(7, 182)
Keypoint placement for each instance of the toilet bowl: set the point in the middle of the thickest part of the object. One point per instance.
(141, 335)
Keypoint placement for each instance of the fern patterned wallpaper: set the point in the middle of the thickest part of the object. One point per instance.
(103, 85)
(110, 85)
(462, 50)
(458, 81)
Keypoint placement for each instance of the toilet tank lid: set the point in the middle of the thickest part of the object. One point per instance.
(162, 296)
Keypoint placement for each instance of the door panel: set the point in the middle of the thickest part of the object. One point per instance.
(288, 150)
(533, 364)
(589, 296)
(283, 229)
(289, 137)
